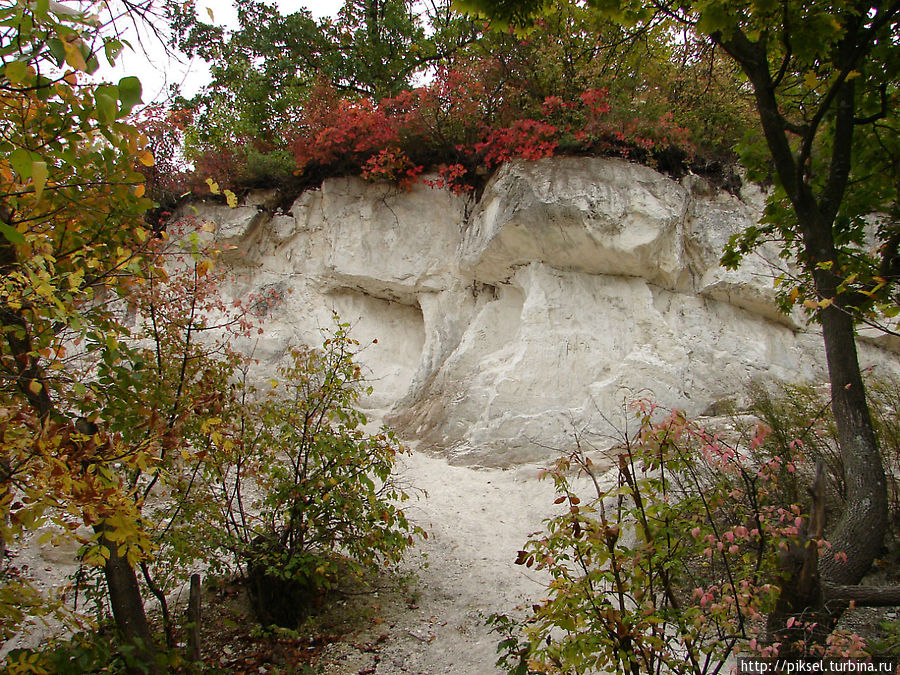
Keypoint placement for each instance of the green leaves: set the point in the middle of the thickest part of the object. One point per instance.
(12, 235)
(330, 498)
(116, 101)
(16, 72)
(129, 93)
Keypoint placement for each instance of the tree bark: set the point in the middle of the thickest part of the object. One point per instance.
(194, 619)
(128, 606)
(864, 521)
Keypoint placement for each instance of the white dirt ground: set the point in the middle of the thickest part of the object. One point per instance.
(477, 520)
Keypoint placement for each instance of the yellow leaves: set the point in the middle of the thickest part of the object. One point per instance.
(96, 556)
(38, 177)
(209, 423)
(204, 267)
(43, 288)
(35, 387)
(146, 158)
(140, 190)
(230, 197)
(874, 291)
(794, 294)
(72, 46)
(846, 283)
(818, 304)
(76, 279)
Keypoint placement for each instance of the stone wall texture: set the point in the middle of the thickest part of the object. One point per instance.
(507, 326)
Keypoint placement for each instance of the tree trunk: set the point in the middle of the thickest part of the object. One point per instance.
(127, 605)
(193, 615)
(863, 524)
(861, 529)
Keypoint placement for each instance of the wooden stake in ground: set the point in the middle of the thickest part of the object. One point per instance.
(193, 616)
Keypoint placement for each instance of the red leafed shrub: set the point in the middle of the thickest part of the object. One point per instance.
(467, 117)
(596, 101)
(526, 139)
(336, 131)
(453, 178)
(391, 164)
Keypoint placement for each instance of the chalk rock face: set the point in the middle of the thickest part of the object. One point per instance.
(496, 331)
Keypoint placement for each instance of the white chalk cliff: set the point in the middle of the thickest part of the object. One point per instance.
(505, 325)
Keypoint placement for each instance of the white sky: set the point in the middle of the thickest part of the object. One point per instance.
(157, 72)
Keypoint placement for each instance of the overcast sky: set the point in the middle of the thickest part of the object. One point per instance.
(157, 72)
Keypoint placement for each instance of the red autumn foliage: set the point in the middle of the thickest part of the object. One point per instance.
(465, 118)
(340, 131)
(526, 139)
(458, 117)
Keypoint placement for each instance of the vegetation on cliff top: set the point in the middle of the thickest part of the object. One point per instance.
(388, 93)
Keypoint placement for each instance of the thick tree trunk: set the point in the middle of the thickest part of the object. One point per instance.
(861, 529)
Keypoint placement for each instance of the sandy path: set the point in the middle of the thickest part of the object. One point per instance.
(477, 520)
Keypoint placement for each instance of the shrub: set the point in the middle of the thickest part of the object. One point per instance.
(673, 566)
(305, 494)
(90, 652)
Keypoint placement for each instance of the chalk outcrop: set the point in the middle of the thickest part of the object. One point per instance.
(506, 325)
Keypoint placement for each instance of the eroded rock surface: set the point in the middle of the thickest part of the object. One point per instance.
(505, 326)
